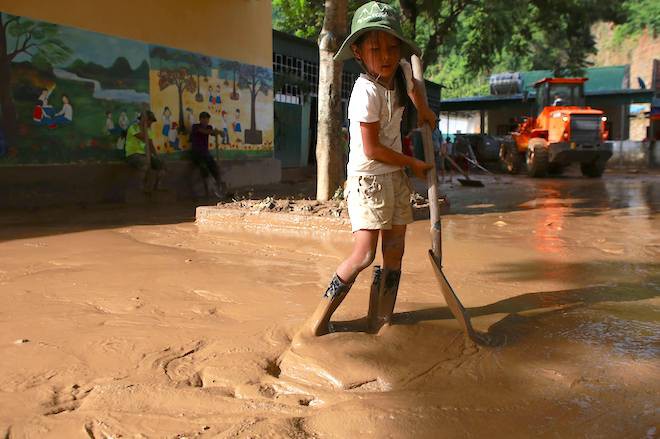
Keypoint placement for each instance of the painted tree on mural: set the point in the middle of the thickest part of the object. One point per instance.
(35, 41)
(183, 81)
(201, 65)
(177, 68)
(256, 80)
(234, 67)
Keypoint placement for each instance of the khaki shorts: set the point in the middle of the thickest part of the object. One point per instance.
(378, 202)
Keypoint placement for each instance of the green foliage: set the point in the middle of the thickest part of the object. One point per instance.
(39, 41)
(301, 18)
(640, 15)
(464, 41)
(304, 18)
(519, 35)
(452, 73)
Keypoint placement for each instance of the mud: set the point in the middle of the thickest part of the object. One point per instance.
(134, 322)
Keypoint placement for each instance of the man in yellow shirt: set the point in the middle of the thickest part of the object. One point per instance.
(136, 149)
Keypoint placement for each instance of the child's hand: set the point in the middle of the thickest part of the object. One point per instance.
(427, 116)
(420, 168)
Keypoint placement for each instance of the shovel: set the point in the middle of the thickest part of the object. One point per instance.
(435, 253)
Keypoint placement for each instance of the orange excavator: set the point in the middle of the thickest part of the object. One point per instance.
(563, 131)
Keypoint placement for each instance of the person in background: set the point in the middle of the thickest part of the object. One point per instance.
(135, 150)
(201, 156)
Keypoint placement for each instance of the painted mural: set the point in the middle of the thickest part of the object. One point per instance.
(239, 98)
(68, 95)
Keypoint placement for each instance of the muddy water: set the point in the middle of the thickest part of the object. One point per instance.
(111, 329)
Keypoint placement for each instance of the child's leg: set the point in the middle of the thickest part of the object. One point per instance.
(364, 251)
(363, 254)
(393, 248)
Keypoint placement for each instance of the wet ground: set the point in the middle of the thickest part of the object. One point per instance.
(132, 322)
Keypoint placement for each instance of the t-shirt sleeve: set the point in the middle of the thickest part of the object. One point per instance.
(364, 105)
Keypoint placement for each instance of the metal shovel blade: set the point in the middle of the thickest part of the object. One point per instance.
(459, 312)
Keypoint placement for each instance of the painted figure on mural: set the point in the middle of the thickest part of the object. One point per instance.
(39, 116)
(43, 112)
(167, 120)
(173, 137)
(190, 119)
(237, 121)
(65, 115)
(43, 97)
(110, 128)
(224, 128)
(123, 121)
(218, 99)
(211, 98)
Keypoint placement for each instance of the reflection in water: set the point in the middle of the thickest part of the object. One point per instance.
(585, 197)
(549, 222)
(634, 337)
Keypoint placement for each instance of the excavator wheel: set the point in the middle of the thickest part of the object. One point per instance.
(537, 158)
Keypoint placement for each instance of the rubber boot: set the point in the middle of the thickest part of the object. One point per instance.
(374, 294)
(387, 296)
(319, 323)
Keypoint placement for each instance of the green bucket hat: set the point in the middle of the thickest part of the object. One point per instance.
(375, 16)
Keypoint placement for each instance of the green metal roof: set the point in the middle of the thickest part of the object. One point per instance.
(600, 78)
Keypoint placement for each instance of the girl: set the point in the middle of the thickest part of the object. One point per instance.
(378, 190)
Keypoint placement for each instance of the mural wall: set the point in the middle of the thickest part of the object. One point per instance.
(68, 95)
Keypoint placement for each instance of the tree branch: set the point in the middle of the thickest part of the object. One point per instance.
(24, 47)
(10, 21)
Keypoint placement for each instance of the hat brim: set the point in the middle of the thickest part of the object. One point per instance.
(345, 52)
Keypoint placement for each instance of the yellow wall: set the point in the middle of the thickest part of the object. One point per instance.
(239, 30)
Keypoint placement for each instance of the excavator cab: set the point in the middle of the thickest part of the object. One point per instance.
(567, 93)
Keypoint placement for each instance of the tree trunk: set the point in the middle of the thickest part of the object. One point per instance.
(7, 107)
(198, 96)
(182, 126)
(328, 143)
(234, 96)
(253, 102)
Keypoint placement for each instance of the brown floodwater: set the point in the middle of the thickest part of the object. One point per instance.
(135, 322)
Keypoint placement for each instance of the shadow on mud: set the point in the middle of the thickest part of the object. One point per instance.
(31, 223)
(508, 329)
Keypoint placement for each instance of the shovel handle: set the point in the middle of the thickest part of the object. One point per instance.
(429, 158)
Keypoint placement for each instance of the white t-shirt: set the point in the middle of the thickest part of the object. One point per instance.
(371, 102)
